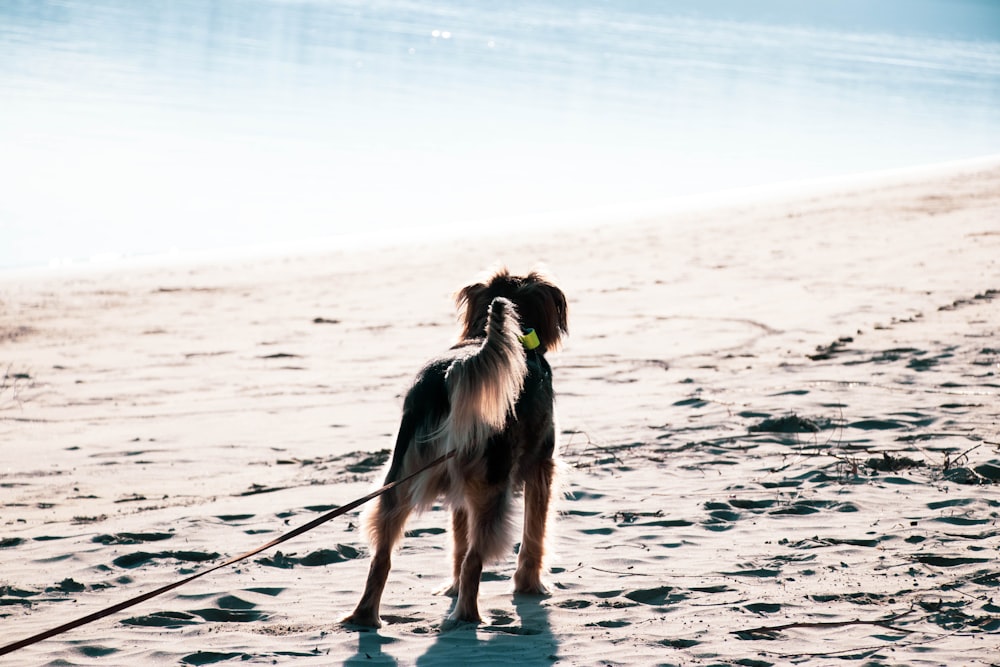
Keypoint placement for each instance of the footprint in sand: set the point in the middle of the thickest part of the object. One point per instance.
(140, 558)
(659, 596)
(131, 538)
(284, 561)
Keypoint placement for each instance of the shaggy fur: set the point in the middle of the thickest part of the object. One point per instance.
(491, 401)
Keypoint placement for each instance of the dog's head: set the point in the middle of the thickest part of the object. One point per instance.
(540, 305)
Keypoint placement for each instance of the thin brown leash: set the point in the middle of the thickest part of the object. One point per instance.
(113, 609)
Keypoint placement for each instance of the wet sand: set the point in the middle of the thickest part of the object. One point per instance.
(778, 415)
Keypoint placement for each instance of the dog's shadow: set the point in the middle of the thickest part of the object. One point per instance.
(501, 639)
(525, 639)
(370, 644)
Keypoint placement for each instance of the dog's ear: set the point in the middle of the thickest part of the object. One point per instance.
(548, 310)
(471, 309)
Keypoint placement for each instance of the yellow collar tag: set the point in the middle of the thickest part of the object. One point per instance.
(530, 340)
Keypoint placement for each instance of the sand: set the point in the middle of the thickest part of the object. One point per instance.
(778, 416)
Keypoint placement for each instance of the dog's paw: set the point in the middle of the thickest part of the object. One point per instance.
(456, 621)
(450, 589)
(362, 620)
(531, 588)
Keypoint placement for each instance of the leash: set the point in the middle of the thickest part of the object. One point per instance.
(114, 609)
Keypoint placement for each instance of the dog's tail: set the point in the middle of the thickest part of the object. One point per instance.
(484, 385)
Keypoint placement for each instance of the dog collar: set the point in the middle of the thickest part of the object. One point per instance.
(529, 339)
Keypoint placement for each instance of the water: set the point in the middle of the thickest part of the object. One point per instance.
(129, 128)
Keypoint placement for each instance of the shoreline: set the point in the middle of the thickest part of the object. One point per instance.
(487, 227)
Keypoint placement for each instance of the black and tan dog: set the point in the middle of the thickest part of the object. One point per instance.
(490, 400)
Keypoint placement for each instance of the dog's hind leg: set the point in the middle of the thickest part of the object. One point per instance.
(386, 525)
(488, 512)
(537, 495)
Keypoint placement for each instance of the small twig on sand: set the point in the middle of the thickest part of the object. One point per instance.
(771, 629)
(622, 574)
(9, 384)
(948, 462)
(851, 463)
(610, 451)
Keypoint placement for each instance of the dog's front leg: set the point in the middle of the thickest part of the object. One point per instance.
(537, 494)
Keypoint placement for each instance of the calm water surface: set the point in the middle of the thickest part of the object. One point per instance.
(130, 128)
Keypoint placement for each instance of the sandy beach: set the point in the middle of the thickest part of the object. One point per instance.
(779, 421)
